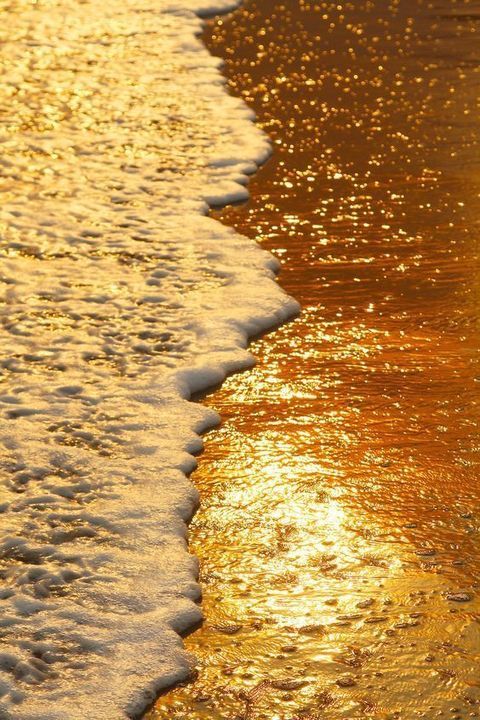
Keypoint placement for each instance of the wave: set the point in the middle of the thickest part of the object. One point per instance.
(120, 298)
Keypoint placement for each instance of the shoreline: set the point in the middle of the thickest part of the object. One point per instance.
(337, 533)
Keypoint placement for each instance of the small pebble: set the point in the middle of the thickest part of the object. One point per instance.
(288, 684)
(346, 681)
(365, 603)
(228, 629)
(459, 597)
(202, 698)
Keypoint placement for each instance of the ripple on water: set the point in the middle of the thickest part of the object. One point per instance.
(338, 532)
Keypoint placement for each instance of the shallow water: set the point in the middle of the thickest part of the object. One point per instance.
(338, 533)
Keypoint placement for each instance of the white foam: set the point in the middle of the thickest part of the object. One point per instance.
(120, 299)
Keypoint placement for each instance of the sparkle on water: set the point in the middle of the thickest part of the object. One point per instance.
(338, 533)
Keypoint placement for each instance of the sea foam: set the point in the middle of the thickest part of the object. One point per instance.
(120, 298)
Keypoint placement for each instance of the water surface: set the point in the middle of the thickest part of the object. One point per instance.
(338, 533)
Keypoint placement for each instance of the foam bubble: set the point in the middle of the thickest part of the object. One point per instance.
(121, 298)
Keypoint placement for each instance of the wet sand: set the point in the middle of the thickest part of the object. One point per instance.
(338, 533)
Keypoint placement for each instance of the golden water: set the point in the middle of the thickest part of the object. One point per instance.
(338, 533)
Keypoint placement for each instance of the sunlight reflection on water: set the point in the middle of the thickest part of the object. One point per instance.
(338, 533)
